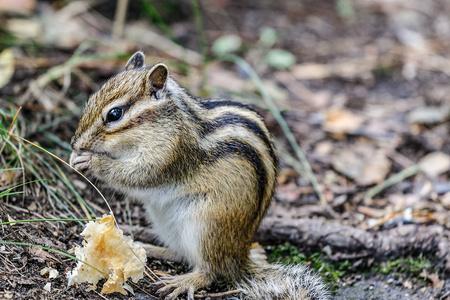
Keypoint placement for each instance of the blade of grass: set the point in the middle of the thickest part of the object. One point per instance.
(12, 162)
(54, 123)
(280, 120)
(55, 251)
(290, 160)
(55, 139)
(400, 176)
(11, 169)
(128, 210)
(52, 194)
(11, 194)
(156, 18)
(47, 220)
(14, 119)
(16, 137)
(6, 192)
(84, 206)
(14, 149)
(119, 19)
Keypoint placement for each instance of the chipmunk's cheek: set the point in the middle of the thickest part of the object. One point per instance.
(81, 162)
(98, 163)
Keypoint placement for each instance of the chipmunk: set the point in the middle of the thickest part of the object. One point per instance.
(205, 171)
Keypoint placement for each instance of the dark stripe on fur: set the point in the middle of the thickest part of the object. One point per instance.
(192, 112)
(239, 148)
(211, 104)
(234, 119)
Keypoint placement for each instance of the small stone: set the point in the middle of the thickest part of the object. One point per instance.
(446, 200)
(48, 287)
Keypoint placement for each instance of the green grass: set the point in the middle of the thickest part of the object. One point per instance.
(334, 272)
(330, 271)
(34, 167)
(153, 15)
(406, 267)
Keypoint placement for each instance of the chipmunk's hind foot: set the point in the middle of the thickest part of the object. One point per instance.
(172, 287)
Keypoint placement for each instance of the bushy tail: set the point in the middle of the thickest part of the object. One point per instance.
(282, 282)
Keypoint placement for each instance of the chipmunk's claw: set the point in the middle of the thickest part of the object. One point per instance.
(171, 288)
(81, 162)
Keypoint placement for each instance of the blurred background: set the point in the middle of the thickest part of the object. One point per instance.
(363, 86)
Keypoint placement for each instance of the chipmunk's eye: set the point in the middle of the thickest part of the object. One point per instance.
(114, 115)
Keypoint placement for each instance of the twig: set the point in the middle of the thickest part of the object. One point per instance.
(45, 220)
(430, 216)
(16, 137)
(213, 295)
(290, 160)
(119, 21)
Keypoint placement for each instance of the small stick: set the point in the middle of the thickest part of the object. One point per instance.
(218, 294)
(119, 21)
(16, 137)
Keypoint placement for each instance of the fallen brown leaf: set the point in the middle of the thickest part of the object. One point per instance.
(6, 66)
(435, 163)
(340, 121)
(364, 164)
(18, 6)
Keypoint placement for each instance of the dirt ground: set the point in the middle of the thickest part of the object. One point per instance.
(362, 85)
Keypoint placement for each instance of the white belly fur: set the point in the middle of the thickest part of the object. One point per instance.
(174, 221)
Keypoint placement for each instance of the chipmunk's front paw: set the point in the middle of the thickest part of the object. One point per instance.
(81, 162)
(172, 287)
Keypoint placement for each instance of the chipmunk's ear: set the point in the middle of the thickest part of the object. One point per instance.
(136, 61)
(158, 77)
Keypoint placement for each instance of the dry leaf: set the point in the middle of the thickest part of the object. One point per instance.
(52, 273)
(363, 164)
(346, 69)
(218, 77)
(341, 121)
(6, 66)
(316, 99)
(18, 6)
(41, 255)
(446, 200)
(434, 164)
(407, 284)
(25, 28)
(311, 71)
(48, 287)
(434, 278)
